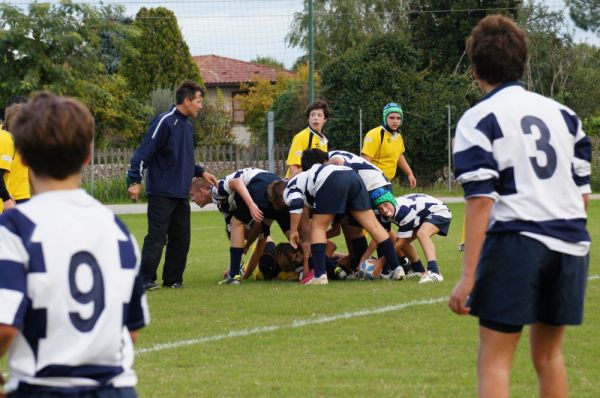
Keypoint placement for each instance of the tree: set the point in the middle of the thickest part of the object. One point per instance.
(339, 25)
(268, 61)
(162, 57)
(214, 123)
(585, 14)
(383, 70)
(287, 97)
(57, 47)
(439, 27)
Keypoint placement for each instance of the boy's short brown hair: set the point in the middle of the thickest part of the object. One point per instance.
(11, 114)
(498, 49)
(53, 135)
(275, 194)
(318, 105)
(187, 89)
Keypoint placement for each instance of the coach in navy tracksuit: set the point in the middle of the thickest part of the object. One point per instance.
(167, 151)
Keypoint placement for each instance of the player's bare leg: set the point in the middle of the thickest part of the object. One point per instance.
(546, 353)
(495, 361)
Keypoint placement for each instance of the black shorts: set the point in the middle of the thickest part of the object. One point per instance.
(342, 191)
(520, 281)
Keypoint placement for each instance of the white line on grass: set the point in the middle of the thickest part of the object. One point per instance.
(295, 324)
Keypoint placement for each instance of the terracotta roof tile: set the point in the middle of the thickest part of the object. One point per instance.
(216, 70)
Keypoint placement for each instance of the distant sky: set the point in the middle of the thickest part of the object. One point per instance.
(245, 29)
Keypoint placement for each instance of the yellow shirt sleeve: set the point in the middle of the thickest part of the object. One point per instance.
(7, 150)
(372, 143)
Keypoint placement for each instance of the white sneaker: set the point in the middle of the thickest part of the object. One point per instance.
(431, 277)
(413, 275)
(321, 280)
(398, 273)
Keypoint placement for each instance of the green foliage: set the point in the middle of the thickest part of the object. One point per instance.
(382, 71)
(340, 25)
(214, 123)
(64, 48)
(585, 14)
(268, 61)
(162, 58)
(162, 99)
(439, 28)
(557, 67)
(289, 108)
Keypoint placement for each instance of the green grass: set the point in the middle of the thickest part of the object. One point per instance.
(419, 351)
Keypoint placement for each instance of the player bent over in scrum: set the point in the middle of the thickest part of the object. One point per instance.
(71, 296)
(332, 190)
(244, 195)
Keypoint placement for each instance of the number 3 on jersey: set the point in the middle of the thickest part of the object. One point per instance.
(542, 144)
(94, 294)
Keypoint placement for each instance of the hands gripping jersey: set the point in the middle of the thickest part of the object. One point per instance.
(412, 210)
(529, 154)
(69, 280)
(371, 175)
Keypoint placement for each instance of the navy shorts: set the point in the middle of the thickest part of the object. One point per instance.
(520, 281)
(342, 191)
(30, 391)
(442, 223)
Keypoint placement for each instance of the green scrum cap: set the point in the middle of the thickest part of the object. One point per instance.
(392, 107)
(382, 195)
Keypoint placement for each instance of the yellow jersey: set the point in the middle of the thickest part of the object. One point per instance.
(384, 149)
(16, 177)
(306, 139)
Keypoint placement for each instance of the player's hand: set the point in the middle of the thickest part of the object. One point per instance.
(9, 204)
(294, 239)
(210, 178)
(412, 181)
(256, 213)
(134, 191)
(458, 298)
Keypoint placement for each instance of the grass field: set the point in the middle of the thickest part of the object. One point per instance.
(347, 339)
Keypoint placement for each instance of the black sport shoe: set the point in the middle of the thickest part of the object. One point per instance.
(174, 286)
(151, 286)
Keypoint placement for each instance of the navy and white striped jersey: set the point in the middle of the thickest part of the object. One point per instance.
(69, 281)
(294, 192)
(223, 196)
(530, 155)
(414, 209)
(371, 175)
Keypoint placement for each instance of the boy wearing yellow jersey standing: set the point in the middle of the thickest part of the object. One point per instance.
(384, 147)
(14, 183)
(311, 137)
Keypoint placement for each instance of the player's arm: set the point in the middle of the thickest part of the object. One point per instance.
(404, 166)
(237, 185)
(138, 314)
(370, 249)
(156, 134)
(8, 201)
(477, 214)
(7, 335)
(253, 262)
(334, 231)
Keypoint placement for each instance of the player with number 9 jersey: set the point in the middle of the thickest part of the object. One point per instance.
(72, 298)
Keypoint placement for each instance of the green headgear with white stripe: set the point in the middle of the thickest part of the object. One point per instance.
(392, 107)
